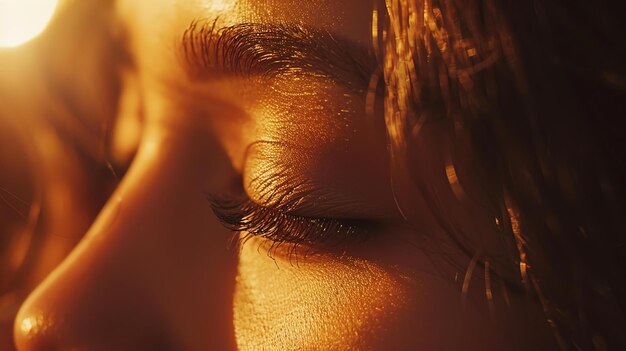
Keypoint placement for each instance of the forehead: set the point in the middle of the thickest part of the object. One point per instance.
(168, 18)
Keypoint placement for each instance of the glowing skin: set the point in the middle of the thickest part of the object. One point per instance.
(153, 271)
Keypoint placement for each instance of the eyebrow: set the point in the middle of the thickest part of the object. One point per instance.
(274, 50)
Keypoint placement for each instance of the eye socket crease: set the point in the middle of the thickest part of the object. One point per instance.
(274, 51)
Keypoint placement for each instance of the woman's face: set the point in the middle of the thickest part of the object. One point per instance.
(276, 108)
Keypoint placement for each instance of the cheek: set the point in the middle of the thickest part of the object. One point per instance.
(348, 303)
(325, 304)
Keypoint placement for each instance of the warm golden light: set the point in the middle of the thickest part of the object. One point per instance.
(221, 5)
(27, 325)
(30, 324)
(22, 20)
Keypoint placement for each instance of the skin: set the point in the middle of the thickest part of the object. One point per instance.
(155, 271)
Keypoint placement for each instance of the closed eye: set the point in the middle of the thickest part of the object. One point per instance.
(240, 214)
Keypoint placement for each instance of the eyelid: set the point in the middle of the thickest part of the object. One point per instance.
(305, 182)
(240, 214)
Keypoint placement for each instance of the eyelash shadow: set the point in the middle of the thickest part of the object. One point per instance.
(242, 215)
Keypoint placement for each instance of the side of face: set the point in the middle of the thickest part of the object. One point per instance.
(158, 270)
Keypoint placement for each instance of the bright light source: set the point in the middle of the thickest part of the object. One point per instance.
(22, 20)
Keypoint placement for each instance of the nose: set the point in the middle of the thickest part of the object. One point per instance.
(154, 272)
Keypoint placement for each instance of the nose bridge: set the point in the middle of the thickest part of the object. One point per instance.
(154, 270)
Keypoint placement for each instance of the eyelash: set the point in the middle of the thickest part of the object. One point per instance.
(240, 214)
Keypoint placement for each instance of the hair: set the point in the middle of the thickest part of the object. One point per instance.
(537, 91)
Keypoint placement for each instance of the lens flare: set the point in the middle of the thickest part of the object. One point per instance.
(22, 20)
